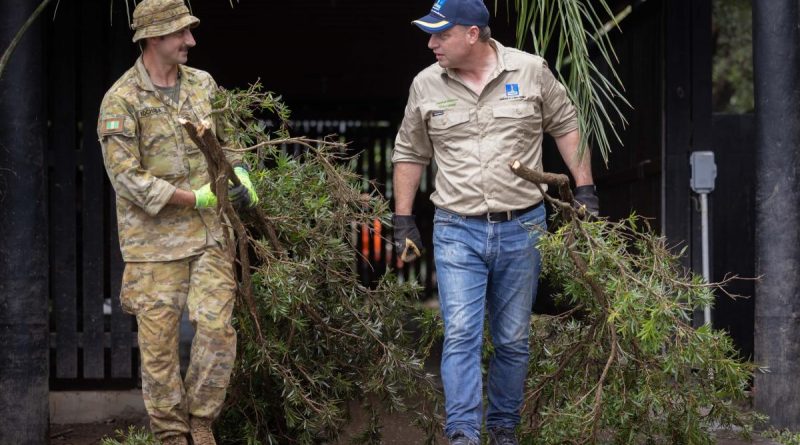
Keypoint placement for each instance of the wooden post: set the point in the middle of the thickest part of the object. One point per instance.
(776, 63)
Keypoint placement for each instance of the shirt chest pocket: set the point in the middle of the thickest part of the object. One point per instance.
(160, 146)
(198, 112)
(446, 129)
(517, 121)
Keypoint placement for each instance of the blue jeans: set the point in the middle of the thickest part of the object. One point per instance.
(482, 265)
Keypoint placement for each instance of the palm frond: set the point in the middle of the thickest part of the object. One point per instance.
(569, 30)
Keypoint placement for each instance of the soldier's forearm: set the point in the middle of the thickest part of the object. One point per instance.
(182, 198)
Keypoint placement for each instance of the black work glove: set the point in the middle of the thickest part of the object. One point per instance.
(407, 241)
(586, 195)
(239, 197)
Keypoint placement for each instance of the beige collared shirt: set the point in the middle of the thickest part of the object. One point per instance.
(474, 138)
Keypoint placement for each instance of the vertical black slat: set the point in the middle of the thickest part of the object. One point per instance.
(357, 136)
(368, 139)
(389, 252)
(734, 209)
(362, 267)
(701, 124)
(425, 209)
(121, 323)
(676, 203)
(381, 144)
(63, 194)
(641, 70)
(389, 194)
(93, 199)
(24, 327)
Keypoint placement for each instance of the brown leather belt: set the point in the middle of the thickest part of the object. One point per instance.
(496, 217)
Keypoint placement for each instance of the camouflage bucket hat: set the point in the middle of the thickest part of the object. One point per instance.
(154, 18)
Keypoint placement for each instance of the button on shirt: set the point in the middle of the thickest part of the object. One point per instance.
(148, 154)
(473, 139)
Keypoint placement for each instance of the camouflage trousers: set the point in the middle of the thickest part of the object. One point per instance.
(157, 293)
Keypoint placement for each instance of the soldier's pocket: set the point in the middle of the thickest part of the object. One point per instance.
(130, 292)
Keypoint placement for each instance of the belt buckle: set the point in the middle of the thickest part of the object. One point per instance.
(508, 216)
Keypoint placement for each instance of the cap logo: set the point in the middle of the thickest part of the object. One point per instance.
(439, 5)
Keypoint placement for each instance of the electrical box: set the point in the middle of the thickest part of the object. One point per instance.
(704, 171)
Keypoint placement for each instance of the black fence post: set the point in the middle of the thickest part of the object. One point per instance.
(776, 63)
(24, 366)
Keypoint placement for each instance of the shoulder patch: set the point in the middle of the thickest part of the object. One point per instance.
(112, 125)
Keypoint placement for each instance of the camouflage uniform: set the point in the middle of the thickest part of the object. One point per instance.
(172, 253)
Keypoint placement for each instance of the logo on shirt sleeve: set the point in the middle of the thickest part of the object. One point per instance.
(512, 89)
(112, 125)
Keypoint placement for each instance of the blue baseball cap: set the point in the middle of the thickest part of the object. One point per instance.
(448, 13)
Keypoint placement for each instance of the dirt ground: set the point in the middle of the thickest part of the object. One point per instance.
(396, 429)
(396, 432)
(90, 433)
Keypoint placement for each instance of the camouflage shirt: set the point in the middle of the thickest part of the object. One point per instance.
(148, 154)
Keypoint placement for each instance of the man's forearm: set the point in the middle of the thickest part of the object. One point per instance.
(182, 198)
(579, 167)
(406, 182)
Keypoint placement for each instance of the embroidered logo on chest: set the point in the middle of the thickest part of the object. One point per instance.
(512, 89)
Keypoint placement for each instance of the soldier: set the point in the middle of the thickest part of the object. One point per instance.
(169, 233)
(478, 108)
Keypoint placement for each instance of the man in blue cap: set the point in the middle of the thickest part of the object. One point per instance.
(477, 109)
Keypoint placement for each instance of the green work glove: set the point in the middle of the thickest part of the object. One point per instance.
(204, 198)
(243, 195)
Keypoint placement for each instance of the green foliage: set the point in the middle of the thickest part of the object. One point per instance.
(567, 29)
(134, 436)
(324, 338)
(624, 364)
(784, 437)
(732, 74)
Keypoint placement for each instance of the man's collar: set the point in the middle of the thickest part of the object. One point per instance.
(143, 77)
(504, 61)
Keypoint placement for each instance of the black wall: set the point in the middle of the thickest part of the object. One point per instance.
(732, 206)
(329, 58)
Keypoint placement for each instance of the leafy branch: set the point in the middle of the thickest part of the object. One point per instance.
(312, 338)
(624, 364)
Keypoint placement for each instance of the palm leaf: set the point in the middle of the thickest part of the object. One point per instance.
(571, 30)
